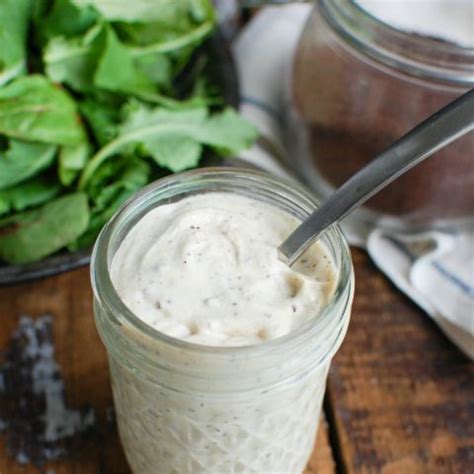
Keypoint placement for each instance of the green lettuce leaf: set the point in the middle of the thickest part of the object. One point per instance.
(64, 19)
(14, 16)
(73, 61)
(23, 160)
(102, 119)
(176, 152)
(30, 193)
(113, 183)
(125, 172)
(156, 68)
(116, 70)
(34, 234)
(34, 109)
(146, 11)
(112, 102)
(72, 160)
(156, 130)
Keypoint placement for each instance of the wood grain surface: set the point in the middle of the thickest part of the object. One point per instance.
(400, 396)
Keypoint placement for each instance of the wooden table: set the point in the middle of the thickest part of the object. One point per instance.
(399, 400)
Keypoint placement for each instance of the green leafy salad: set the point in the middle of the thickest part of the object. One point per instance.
(92, 108)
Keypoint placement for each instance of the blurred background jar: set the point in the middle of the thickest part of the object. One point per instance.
(359, 84)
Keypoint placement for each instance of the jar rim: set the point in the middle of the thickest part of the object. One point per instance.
(426, 58)
(105, 292)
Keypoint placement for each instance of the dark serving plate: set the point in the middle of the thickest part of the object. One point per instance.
(222, 70)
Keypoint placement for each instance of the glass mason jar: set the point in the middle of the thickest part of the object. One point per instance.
(358, 85)
(187, 408)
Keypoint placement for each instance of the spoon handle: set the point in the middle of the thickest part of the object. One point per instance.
(434, 133)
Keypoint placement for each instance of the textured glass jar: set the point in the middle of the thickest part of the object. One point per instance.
(358, 85)
(189, 409)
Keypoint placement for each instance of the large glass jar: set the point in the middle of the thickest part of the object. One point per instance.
(358, 85)
(188, 409)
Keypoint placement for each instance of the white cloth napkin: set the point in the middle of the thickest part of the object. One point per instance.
(435, 269)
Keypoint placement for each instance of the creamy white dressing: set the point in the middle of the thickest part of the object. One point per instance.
(206, 270)
(449, 20)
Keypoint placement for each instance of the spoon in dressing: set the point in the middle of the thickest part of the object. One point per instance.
(434, 133)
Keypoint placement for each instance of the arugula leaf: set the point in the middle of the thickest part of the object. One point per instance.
(73, 61)
(72, 160)
(171, 12)
(64, 19)
(129, 69)
(113, 183)
(14, 15)
(226, 132)
(165, 35)
(102, 119)
(33, 234)
(156, 68)
(158, 26)
(133, 175)
(23, 160)
(30, 193)
(98, 219)
(176, 153)
(190, 38)
(151, 32)
(33, 109)
(129, 172)
(136, 115)
(116, 70)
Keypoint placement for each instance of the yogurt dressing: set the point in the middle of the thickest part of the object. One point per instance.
(206, 270)
(449, 20)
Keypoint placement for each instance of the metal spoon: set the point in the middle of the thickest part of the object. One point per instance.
(434, 133)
